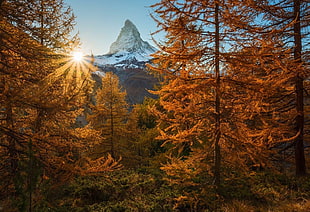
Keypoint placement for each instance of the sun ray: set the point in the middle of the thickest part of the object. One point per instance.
(72, 70)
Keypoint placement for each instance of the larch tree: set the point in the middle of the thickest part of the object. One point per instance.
(283, 25)
(109, 115)
(200, 120)
(42, 93)
(189, 62)
(20, 56)
(259, 88)
(292, 17)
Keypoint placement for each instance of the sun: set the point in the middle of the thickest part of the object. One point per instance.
(77, 56)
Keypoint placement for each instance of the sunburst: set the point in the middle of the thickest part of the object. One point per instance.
(77, 56)
(74, 68)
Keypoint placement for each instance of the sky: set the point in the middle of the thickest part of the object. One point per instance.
(100, 21)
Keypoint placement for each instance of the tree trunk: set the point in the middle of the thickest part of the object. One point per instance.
(111, 120)
(217, 150)
(299, 146)
(11, 141)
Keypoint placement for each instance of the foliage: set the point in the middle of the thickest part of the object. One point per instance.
(270, 192)
(109, 115)
(232, 109)
(132, 190)
(124, 190)
(145, 149)
(42, 92)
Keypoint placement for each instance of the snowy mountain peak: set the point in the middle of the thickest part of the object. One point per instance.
(128, 51)
(129, 40)
(127, 58)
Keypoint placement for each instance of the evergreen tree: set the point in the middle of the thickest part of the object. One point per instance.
(143, 150)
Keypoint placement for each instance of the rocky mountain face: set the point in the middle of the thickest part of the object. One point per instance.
(127, 58)
(129, 40)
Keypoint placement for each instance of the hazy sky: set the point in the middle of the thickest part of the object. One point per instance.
(100, 21)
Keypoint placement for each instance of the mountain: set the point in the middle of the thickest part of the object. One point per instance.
(127, 58)
(129, 40)
(129, 50)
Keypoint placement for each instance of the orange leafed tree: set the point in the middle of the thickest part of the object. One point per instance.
(289, 21)
(276, 49)
(109, 115)
(41, 94)
(227, 94)
(202, 121)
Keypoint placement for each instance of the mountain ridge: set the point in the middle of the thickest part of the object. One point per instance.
(127, 59)
(128, 49)
(129, 40)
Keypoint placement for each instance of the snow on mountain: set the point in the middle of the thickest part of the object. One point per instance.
(127, 58)
(129, 40)
(128, 50)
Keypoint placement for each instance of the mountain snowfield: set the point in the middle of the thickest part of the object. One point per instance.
(128, 50)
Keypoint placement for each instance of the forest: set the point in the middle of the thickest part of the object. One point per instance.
(229, 130)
